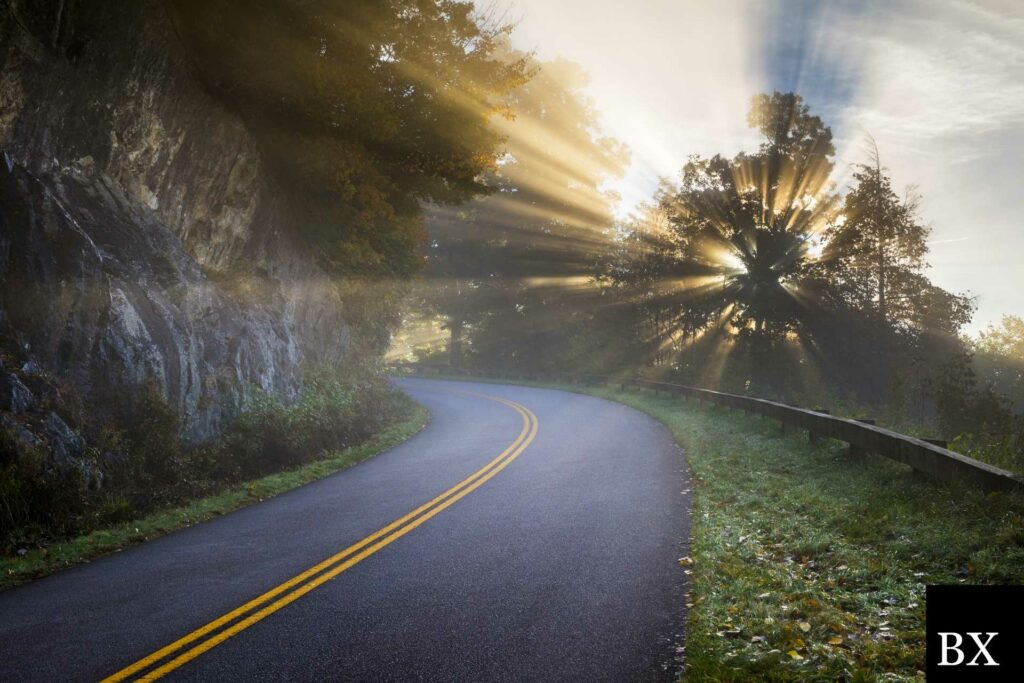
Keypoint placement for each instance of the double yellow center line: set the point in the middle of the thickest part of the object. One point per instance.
(190, 646)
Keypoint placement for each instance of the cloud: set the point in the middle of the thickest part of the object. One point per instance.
(941, 92)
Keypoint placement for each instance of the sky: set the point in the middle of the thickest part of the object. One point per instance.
(938, 84)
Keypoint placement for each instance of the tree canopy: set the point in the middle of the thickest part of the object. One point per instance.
(738, 231)
(363, 109)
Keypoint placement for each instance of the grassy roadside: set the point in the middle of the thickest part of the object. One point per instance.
(809, 567)
(40, 562)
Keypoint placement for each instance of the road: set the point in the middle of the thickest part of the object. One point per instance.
(542, 545)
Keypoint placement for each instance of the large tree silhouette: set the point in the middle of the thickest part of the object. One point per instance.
(735, 247)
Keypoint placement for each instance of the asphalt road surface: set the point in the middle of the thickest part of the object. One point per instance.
(524, 535)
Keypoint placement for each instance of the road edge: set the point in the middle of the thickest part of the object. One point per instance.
(39, 563)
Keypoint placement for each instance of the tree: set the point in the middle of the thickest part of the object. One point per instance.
(999, 358)
(790, 130)
(513, 269)
(876, 251)
(739, 230)
(363, 109)
(752, 273)
(965, 406)
(458, 287)
(1007, 340)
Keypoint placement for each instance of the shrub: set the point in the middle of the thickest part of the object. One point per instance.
(35, 496)
(144, 465)
(335, 410)
(144, 455)
(1006, 451)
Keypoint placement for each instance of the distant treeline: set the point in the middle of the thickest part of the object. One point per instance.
(756, 274)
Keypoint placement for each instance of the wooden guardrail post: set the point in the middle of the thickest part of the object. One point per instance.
(812, 435)
(922, 476)
(782, 422)
(856, 453)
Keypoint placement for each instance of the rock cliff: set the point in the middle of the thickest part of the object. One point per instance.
(140, 237)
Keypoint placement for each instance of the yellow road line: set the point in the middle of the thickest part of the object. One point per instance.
(367, 546)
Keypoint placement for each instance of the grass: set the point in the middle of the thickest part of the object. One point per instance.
(807, 566)
(42, 561)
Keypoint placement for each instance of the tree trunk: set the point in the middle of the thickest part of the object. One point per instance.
(881, 276)
(879, 220)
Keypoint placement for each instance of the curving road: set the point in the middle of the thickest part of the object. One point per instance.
(525, 534)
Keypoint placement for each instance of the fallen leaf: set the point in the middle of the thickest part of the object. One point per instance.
(804, 626)
(686, 561)
(836, 640)
(794, 654)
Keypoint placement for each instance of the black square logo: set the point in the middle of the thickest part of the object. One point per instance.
(975, 633)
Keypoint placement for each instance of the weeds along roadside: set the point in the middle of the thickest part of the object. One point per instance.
(809, 566)
(151, 482)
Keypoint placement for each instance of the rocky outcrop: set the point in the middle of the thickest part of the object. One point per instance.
(140, 237)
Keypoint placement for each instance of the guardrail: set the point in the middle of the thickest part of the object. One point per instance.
(863, 437)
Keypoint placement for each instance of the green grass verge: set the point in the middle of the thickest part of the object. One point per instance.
(40, 562)
(809, 567)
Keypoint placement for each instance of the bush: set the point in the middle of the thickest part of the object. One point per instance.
(144, 456)
(334, 411)
(35, 496)
(144, 465)
(1005, 451)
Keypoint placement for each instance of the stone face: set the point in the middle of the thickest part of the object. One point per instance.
(23, 437)
(66, 446)
(14, 395)
(140, 239)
